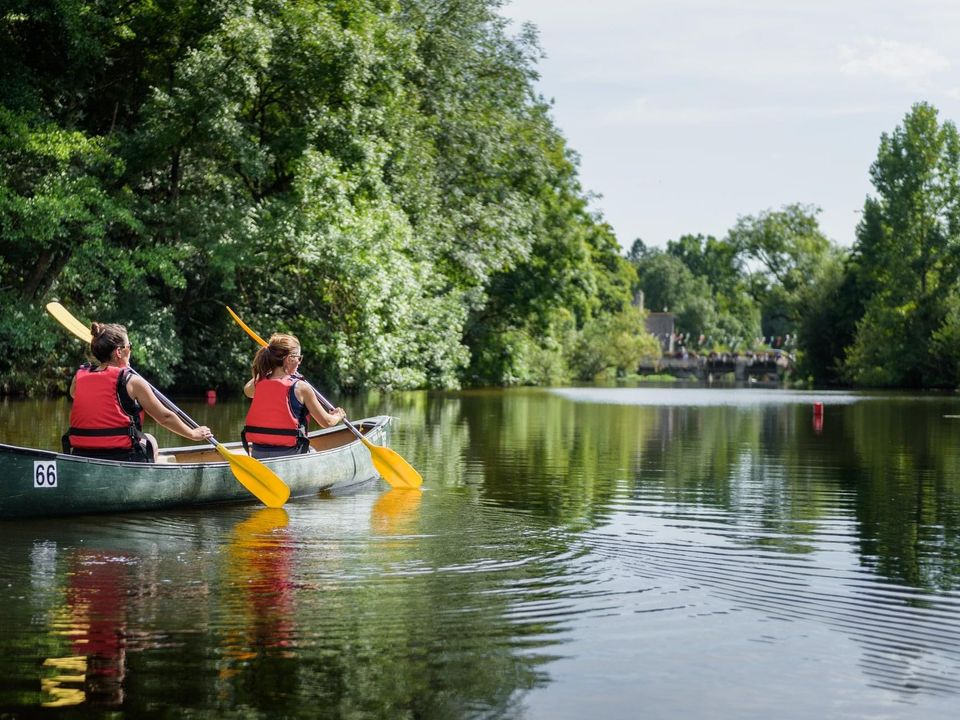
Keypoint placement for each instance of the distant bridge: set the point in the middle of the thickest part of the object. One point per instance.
(744, 366)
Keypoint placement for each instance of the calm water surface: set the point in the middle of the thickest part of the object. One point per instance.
(595, 552)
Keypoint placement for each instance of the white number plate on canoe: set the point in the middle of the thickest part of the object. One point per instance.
(44, 473)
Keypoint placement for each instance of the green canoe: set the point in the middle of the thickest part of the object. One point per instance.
(38, 483)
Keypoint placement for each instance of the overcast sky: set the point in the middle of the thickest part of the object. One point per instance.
(687, 114)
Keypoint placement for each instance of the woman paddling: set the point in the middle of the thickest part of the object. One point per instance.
(282, 402)
(108, 404)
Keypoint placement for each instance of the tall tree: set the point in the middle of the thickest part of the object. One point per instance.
(378, 176)
(908, 250)
(721, 264)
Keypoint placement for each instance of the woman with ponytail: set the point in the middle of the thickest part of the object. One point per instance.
(109, 400)
(282, 402)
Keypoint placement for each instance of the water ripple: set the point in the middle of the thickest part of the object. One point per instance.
(910, 639)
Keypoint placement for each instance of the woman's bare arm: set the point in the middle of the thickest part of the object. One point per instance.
(305, 394)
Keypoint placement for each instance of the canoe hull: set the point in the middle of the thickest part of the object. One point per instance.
(39, 483)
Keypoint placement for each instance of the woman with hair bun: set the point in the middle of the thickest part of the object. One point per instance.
(109, 400)
(282, 402)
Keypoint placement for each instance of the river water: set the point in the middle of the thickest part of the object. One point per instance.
(577, 552)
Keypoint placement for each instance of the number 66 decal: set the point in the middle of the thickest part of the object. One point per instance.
(44, 473)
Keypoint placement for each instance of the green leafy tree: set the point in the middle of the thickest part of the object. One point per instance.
(832, 308)
(379, 177)
(783, 249)
(717, 261)
(907, 250)
(614, 343)
(668, 285)
(509, 225)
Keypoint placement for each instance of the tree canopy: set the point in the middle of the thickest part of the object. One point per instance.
(378, 177)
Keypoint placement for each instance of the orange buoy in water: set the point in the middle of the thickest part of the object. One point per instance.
(818, 417)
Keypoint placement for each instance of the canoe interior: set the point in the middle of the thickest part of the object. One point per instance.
(320, 440)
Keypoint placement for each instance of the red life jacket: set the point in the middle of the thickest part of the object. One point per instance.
(270, 420)
(103, 416)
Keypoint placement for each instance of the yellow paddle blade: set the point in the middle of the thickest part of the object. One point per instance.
(392, 467)
(256, 477)
(256, 338)
(65, 318)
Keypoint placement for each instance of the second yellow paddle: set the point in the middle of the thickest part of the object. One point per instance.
(390, 464)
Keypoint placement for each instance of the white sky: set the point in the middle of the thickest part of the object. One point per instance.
(687, 114)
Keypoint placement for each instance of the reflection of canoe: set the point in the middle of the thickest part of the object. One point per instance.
(40, 482)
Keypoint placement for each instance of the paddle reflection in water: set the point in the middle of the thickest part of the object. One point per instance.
(258, 573)
(395, 511)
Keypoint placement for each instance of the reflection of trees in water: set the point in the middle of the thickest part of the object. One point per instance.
(34, 423)
(426, 431)
(768, 480)
(385, 633)
(753, 463)
(571, 461)
(256, 614)
(908, 492)
(436, 631)
(545, 455)
(877, 463)
(905, 649)
(769, 484)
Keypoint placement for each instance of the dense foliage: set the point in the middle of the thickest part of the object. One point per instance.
(377, 176)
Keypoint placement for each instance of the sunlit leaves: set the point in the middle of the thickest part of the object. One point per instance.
(378, 177)
(58, 189)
